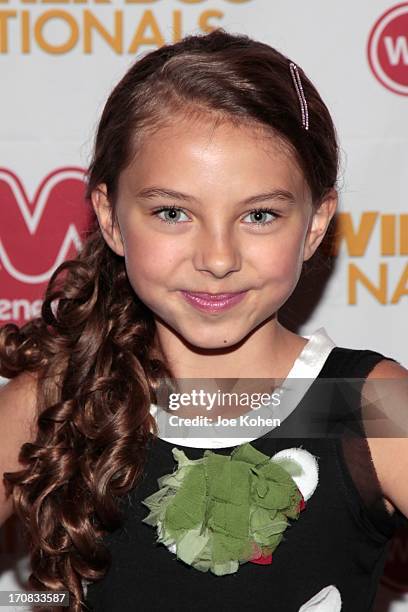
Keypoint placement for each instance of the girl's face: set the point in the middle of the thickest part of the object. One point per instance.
(214, 241)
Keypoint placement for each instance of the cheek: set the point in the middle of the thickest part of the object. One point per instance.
(280, 259)
(149, 262)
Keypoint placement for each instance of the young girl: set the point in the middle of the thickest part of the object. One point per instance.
(213, 180)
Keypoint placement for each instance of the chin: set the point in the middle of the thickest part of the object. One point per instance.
(212, 345)
(212, 340)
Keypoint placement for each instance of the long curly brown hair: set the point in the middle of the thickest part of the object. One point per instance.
(93, 349)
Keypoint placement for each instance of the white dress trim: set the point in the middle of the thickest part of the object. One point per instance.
(306, 367)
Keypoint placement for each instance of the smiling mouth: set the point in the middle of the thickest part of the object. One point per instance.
(213, 302)
(214, 296)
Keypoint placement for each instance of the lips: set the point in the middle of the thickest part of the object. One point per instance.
(213, 296)
(211, 302)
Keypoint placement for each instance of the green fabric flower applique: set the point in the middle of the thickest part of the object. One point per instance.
(220, 511)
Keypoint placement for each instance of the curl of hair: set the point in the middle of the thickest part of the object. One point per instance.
(93, 348)
(96, 379)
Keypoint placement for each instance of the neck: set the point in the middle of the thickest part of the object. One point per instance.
(269, 352)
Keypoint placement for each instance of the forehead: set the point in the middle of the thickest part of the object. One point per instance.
(203, 152)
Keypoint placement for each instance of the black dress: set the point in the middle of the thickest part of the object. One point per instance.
(341, 538)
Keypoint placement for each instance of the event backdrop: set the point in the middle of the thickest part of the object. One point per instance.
(59, 59)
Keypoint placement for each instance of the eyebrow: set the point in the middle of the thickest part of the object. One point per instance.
(276, 194)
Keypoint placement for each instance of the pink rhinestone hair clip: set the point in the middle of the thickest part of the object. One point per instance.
(299, 90)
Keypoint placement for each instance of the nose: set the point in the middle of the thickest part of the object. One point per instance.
(217, 253)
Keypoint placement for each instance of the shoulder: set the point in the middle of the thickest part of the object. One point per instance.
(385, 450)
(17, 425)
(21, 389)
(386, 368)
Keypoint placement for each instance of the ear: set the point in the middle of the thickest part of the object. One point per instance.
(103, 210)
(319, 223)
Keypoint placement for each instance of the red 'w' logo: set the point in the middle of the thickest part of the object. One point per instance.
(36, 236)
(387, 49)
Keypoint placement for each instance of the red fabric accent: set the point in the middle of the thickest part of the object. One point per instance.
(262, 560)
